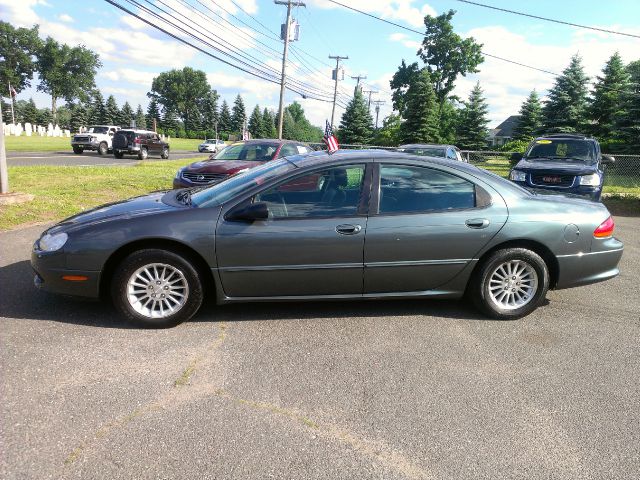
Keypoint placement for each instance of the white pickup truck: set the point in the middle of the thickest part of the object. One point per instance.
(97, 138)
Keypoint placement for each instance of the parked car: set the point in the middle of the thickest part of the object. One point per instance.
(445, 151)
(562, 163)
(235, 158)
(139, 142)
(379, 225)
(97, 138)
(211, 145)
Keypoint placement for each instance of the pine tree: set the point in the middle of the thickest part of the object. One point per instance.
(628, 126)
(421, 112)
(566, 109)
(606, 104)
(97, 112)
(472, 127)
(141, 120)
(238, 115)
(78, 117)
(255, 124)
(224, 124)
(112, 112)
(530, 121)
(153, 113)
(126, 115)
(210, 117)
(45, 117)
(269, 125)
(356, 125)
(169, 121)
(30, 112)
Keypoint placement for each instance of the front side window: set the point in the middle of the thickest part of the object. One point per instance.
(287, 150)
(331, 192)
(409, 189)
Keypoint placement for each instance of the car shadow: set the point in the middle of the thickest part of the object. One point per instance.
(24, 301)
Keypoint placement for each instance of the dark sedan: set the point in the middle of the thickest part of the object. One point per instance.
(369, 225)
(236, 158)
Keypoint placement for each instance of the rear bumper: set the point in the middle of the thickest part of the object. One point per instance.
(588, 268)
(49, 276)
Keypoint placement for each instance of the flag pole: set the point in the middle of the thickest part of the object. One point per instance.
(13, 118)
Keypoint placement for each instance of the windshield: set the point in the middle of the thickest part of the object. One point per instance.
(427, 152)
(98, 130)
(209, 141)
(564, 149)
(257, 152)
(223, 191)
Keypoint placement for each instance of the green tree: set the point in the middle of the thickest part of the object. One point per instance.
(18, 46)
(448, 121)
(607, 104)
(30, 112)
(472, 127)
(298, 126)
(389, 134)
(400, 83)
(169, 122)
(224, 124)
(153, 113)
(210, 117)
(268, 123)
(628, 126)
(112, 112)
(78, 117)
(98, 112)
(44, 117)
(255, 124)
(238, 115)
(530, 121)
(182, 91)
(66, 72)
(64, 117)
(141, 120)
(566, 108)
(126, 115)
(447, 55)
(421, 112)
(356, 125)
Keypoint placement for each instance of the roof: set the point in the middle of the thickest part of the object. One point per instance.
(267, 141)
(424, 145)
(506, 128)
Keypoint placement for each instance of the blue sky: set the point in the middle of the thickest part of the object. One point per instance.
(133, 53)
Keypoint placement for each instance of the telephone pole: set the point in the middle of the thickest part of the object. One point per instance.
(289, 4)
(335, 90)
(370, 92)
(378, 103)
(4, 179)
(358, 78)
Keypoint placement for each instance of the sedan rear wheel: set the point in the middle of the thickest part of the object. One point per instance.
(156, 288)
(510, 283)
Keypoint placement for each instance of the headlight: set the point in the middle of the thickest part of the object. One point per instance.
(518, 176)
(592, 180)
(179, 173)
(51, 243)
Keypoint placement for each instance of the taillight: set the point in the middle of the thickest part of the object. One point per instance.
(605, 229)
(137, 140)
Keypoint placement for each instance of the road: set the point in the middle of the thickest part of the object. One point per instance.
(399, 389)
(87, 158)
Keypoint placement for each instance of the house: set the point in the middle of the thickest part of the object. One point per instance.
(504, 132)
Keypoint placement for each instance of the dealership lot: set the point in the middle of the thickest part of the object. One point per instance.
(401, 389)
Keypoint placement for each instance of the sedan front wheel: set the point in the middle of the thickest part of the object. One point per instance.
(156, 288)
(510, 283)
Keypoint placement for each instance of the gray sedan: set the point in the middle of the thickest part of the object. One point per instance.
(353, 225)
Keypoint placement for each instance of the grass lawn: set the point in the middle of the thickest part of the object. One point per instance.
(35, 143)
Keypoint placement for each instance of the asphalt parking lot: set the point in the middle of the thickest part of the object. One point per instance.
(400, 389)
(25, 159)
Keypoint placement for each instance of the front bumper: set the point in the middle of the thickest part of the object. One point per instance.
(593, 267)
(86, 145)
(587, 191)
(49, 269)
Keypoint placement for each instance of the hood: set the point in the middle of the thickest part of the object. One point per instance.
(134, 207)
(227, 167)
(557, 167)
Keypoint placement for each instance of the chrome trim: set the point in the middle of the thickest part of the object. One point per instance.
(418, 263)
(581, 254)
(267, 268)
(551, 185)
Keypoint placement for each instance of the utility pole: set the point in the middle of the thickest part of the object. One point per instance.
(378, 103)
(370, 92)
(4, 179)
(358, 78)
(335, 90)
(289, 4)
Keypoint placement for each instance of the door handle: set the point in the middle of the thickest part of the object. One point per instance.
(348, 229)
(477, 223)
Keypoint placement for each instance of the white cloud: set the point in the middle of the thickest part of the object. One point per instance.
(130, 75)
(403, 10)
(20, 13)
(404, 39)
(243, 84)
(65, 18)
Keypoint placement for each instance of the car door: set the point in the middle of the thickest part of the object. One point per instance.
(428, 225)
(311, 244)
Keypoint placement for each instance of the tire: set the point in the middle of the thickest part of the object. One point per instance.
(165, 153)
(134, 278)
(103, 148)
(143, 153)
(78, 150)
(509, 284)
(118, 154)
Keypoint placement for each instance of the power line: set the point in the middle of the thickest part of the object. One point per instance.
(548, 19)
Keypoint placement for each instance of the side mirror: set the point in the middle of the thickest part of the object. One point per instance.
(608, 160)
(249, 213)
(515, 157)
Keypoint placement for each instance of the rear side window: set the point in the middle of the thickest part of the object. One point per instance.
(409, 189)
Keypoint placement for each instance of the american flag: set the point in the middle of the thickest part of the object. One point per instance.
(329, 139)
